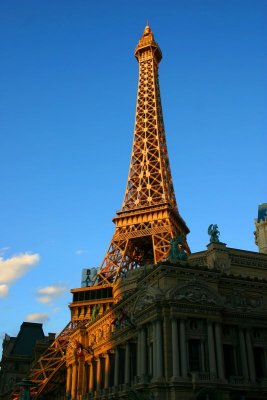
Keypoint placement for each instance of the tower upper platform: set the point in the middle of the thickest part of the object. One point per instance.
(147, 44)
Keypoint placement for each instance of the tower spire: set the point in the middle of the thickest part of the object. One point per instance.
(149, 217)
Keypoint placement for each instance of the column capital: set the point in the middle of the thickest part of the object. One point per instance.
(140, 328)
(210, 321)
(154, 320)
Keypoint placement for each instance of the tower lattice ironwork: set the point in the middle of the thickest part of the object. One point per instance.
(149, 217)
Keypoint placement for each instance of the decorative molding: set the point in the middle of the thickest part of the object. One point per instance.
(248, 261)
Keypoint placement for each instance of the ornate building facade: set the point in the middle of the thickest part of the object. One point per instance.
(193, 329)
(160, 322)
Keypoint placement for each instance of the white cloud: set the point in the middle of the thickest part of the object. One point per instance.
(13, 268)
(37, 317)
(80, 252)
(44, 299)
(3, 290)
(51, 290)
(49, 293)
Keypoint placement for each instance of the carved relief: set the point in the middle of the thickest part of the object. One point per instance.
(122, 319)
(106, 331)
(195, 292)
(99, 334)
(148, 296)
(92, 339)
(242, 300)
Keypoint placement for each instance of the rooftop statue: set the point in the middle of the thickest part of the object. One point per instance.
(177, 251)
(214, 233)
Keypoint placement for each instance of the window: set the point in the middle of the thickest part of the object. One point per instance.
(259, 361)
(229, 360)
(194, 354)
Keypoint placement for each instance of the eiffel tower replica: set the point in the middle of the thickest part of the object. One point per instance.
(149, 217)
(145, 225)
(149, 328)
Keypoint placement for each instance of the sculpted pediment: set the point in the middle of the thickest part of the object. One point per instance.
(195, 292)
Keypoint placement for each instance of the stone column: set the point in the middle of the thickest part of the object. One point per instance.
(117, 366)
(80, 384)
(91, 377)
(155, 365)
(139, 353)
(183, 349)
(235, 361)
(150, 355)
(159, 349)
(143, 352)
(202, 356)
(68, 379)
(243, 354)
(251, 363)
(98, 373)
(175, 351)
(127, 364)
(212, 361)
(85, 378)
(107, 370)
(167, 345)
(218, 341)
(74, 381)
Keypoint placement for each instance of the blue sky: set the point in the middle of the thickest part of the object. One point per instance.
(68, 84)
